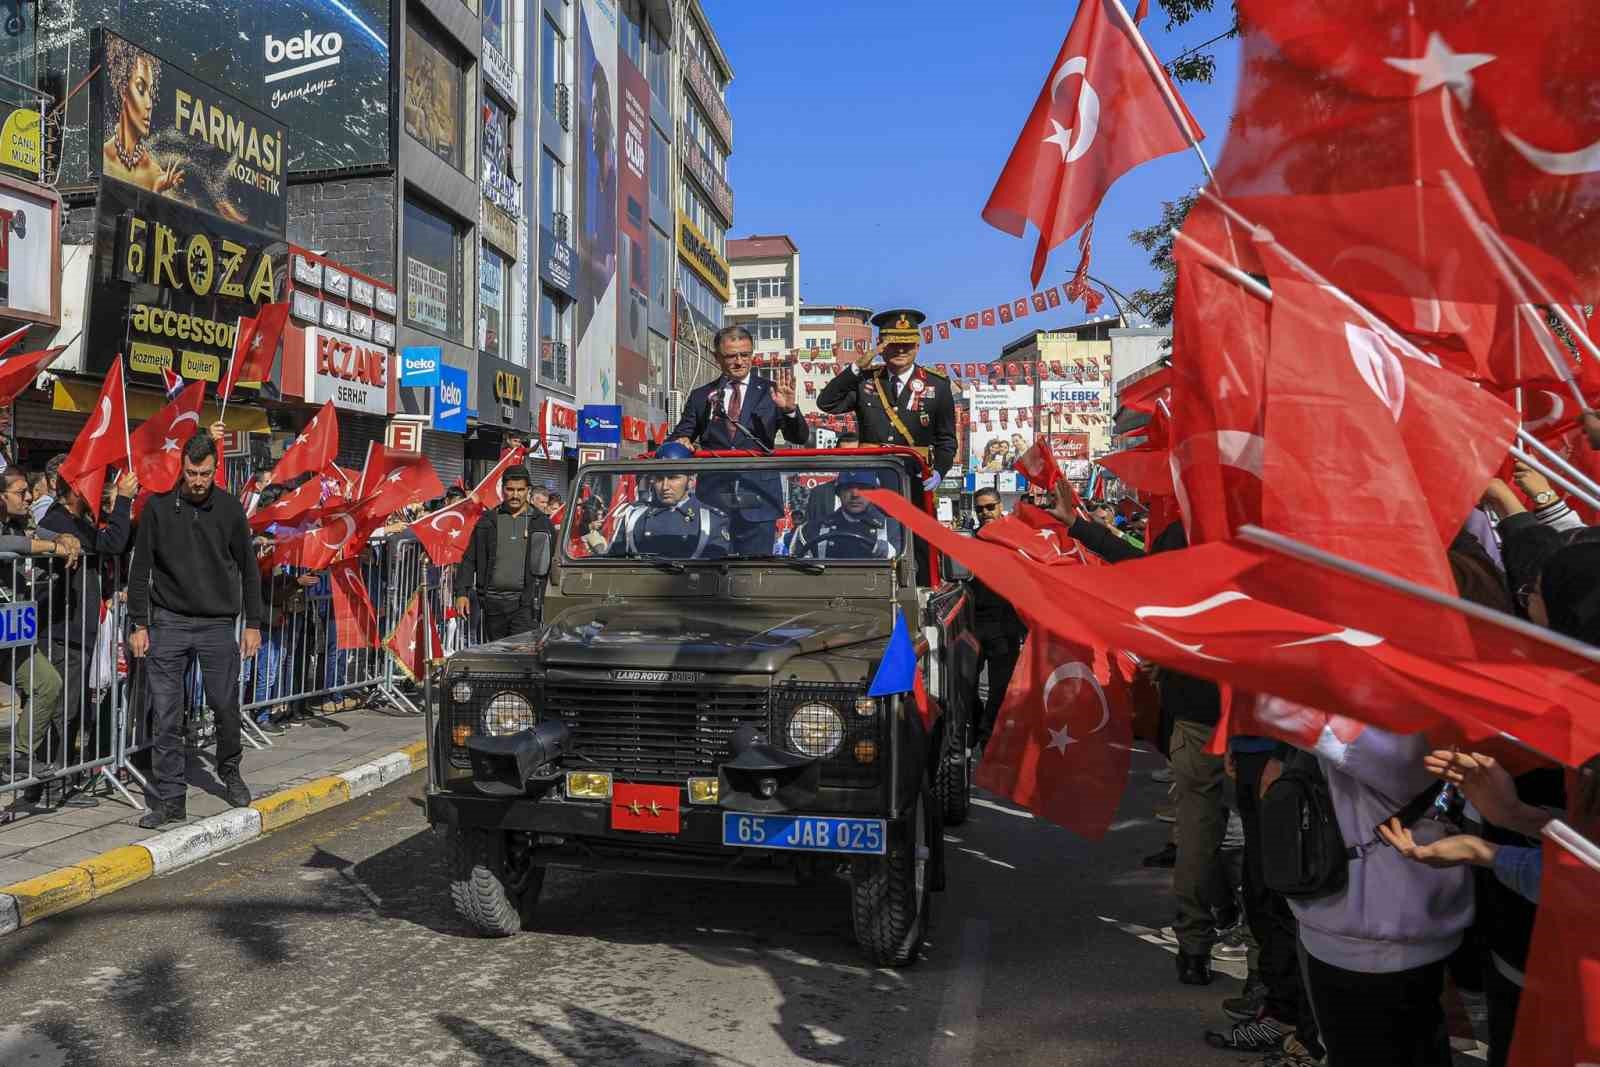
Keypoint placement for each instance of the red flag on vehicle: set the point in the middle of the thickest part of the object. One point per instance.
(1038, 465)
(255, 347)
(313, 450)
(446, 534)
(1558, 1018)
(409, 645)
(18, 373)
(157, 445)
(102, 442)
(1063, 736)
(353, 617)
(1075, 144)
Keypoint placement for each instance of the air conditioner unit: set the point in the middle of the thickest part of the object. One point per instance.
(561, 351)
(564, 106)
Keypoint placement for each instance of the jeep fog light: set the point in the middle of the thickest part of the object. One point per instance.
(816, 730)
(588, 785)
(866, 751)
(506, 714)
(461, 692)
(866, 706)
(702, 790)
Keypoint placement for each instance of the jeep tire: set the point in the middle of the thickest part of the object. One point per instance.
(493, 881)
(890, 895)
(952, 782)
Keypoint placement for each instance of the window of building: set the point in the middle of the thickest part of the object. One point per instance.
(553, 196)
(699, 295)
(496, 24)
(849, 344)
(494, 304)
(552, 63)
(434, 268)
(631, 31)
(659, 66)
(773, 330)
(555, 331)
(744, 292)
(660, 168)
(811, 342)
(660, 277)
(774, 288)
(435, 94)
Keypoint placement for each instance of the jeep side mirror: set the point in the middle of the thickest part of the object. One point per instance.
(539, 555)
(953, 569)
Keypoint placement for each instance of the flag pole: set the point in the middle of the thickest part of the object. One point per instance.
(1564, 483)
(1159, 74)
(1223, 267)
(1555, 457)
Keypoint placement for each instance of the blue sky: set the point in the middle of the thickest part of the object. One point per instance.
(872, 133)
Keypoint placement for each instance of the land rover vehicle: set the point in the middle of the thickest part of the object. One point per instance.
(700, 714)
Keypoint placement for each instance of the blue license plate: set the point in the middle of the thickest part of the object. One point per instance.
(804, 833)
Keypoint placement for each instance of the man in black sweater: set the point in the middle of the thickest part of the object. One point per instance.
(193, 574)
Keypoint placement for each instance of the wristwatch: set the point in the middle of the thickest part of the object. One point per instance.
(1544, 499)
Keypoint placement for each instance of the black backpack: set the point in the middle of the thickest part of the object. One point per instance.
(1303, 854)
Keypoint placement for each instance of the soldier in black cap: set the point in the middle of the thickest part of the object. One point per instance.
(900, 402)
(856, 529)
(674, 523)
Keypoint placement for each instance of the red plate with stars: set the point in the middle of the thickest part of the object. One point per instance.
(649, 809)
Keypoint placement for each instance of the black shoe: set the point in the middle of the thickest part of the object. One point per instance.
(1167, 857)
(163, 813)
(1194, 969)
(238, 793)
(1247, 1003)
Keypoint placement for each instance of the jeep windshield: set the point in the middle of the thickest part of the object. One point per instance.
(806, 510)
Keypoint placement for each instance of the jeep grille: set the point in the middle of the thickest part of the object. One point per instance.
(654, 731)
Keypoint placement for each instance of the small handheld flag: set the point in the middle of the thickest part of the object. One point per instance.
(173, 383)
(897, 672)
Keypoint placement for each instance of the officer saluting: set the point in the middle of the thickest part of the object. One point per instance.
(900, 402)
(673, 524)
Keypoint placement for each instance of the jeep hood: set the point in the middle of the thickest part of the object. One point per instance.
(689, 637)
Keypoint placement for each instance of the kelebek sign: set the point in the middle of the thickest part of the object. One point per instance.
(352, 373)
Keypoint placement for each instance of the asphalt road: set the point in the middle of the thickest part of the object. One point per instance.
(333, 942)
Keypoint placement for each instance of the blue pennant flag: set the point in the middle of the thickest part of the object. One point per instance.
(897, 672)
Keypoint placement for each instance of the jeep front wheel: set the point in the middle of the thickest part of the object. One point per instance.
(494, 883)
(890, 894)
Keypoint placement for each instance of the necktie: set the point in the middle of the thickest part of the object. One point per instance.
(901, 393)
(736, 403)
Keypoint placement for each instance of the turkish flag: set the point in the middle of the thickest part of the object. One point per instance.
(944, 331)
(290, 508)
(1401, 450)
(1101, 113)
(1258, 621)
(1019, 307)
(157, 445)
(393, 478)
(624, 494)
(487, 492)
(1038, 302)
(927, 335)
(1005, 312)
(410, 646)
(313, 450)
(445, 534)
(988, 316)
(972, 321)
(1149, 393)
(1038, 536)
(338, 534)
(1063, 737)
(101, 443)
(255, 347)
(1146, 469)
(1558, 1017)
(1052, 297)
(354, 620)
(17, 373)
(1038, 465)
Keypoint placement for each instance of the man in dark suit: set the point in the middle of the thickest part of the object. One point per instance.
(740, 411)
(900, 402)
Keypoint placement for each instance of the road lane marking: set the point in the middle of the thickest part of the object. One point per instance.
(1001, 808)
(1232, 968)
(955, 1038)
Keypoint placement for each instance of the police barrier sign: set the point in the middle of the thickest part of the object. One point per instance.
(19, 624)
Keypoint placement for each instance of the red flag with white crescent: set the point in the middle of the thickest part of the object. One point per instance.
(103, 442)
(445, 534)
(354, 620)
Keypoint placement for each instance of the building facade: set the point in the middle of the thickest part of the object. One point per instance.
(843, 327)
(766, 290)
(514, 208)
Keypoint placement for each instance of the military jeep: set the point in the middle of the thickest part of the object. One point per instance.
(691, 711)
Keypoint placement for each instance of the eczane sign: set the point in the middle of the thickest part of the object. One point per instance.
(349, 371)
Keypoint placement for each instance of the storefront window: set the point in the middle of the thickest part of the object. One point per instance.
(435, 95)
(433, 251)
(494, 304)
(555, 319)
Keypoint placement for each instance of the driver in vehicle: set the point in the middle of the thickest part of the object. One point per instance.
(673, 523)
(854, 530)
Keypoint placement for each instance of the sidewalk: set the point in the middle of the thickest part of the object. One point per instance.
(42, 842)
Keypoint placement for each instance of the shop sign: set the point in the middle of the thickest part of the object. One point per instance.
(30, 252)
(20, 145)
(232, 156)
(499, 228)
(386, 301)
(634, 428)
(304, 306)
(450, 400)
(600, 424)
(352, 373)
(591, 455)
(705, 90)
(383, 333)
(508, 387)
(361, 292)
(561, 421)
(555, 266)
(702, 257)
(419, 365)
(705, 173)
(427, 296)
(335, 316)
(503, 394)
(498, 70)
(403, 435)
(361, 324)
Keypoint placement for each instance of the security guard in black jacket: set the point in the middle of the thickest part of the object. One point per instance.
(900, 402)
(497, 566)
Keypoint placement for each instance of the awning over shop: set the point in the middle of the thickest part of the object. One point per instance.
(81, 397)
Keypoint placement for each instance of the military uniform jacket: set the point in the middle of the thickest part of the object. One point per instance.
(925, 412)
(872, 528)
(687, 530)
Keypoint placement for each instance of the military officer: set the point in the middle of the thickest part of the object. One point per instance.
(673, 523)
(900, 402)
(854, 530)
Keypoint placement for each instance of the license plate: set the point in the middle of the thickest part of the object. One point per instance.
(804, 833)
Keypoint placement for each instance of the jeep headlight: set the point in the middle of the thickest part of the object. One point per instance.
(816, 730)
(507, 713)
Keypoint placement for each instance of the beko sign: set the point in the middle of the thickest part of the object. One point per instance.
(300, 57)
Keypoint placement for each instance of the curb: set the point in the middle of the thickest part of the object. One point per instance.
(25, 903)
